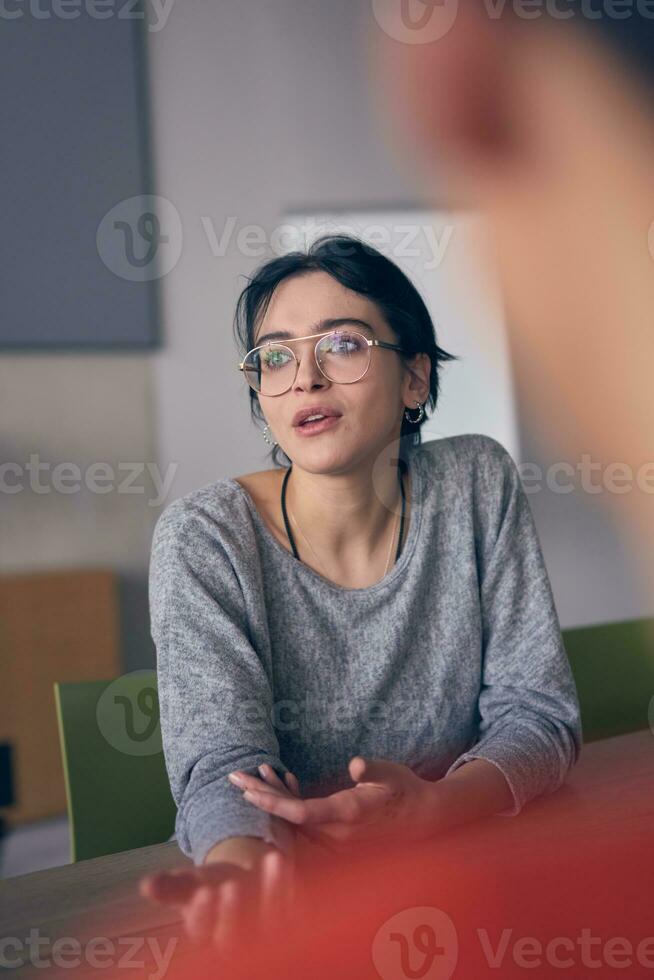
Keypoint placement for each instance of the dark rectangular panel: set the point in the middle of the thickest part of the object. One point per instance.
(74, 146)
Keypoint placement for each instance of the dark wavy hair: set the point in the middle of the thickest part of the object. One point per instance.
(363, 269)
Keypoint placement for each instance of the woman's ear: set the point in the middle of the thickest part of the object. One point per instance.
(417, 380)
(452, 100)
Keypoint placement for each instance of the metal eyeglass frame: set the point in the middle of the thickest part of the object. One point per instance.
(325, 333)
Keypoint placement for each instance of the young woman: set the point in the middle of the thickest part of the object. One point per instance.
(362, 641)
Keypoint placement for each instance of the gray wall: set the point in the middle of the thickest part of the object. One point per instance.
(257, 108)
(80, 410)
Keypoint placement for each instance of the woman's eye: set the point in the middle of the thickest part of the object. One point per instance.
(274, 359)
(342, 345)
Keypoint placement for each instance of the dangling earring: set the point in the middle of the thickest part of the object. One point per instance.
(265, 432)
(420, 417)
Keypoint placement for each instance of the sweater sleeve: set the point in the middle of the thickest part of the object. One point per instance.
(530, 725)
(215, 696)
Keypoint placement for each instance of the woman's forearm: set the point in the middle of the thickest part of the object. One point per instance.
(243, 851)
(476, 789)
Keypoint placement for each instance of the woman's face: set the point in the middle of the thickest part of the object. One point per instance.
(371, 408)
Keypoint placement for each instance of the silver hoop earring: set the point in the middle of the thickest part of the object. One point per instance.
(420, 417)
(265, 432)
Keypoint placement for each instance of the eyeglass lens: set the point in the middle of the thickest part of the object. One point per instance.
(343, 356)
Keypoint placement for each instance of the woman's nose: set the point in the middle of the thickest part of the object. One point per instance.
(308, 372)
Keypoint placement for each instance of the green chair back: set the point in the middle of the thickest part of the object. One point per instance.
(117, 788)
(613, 668)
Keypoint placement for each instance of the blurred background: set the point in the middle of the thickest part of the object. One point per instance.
(152, 159)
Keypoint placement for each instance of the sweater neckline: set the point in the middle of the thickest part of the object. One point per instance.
(414, 463)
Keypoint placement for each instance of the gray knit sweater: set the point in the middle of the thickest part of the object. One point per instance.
(456, 654)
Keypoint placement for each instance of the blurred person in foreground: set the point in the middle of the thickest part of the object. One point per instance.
(542, 117)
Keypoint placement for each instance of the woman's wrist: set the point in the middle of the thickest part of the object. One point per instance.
(476, 789)
(242, 851)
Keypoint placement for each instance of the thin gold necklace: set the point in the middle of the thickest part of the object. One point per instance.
(390, 550)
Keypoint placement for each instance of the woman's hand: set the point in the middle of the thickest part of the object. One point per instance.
(269, 782)
(226, 905)
(388, 800)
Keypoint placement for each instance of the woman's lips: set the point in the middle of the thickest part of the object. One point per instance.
(321, 425)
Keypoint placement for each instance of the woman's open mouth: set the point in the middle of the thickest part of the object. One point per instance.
(319, 425)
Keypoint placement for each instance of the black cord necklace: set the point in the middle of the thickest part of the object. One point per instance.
(401, 468)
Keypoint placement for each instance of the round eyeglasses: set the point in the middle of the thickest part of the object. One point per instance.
(342, 356)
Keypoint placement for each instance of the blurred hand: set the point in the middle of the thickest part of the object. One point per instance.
(225, 905)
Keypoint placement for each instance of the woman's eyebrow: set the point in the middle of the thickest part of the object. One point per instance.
(328, 324)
